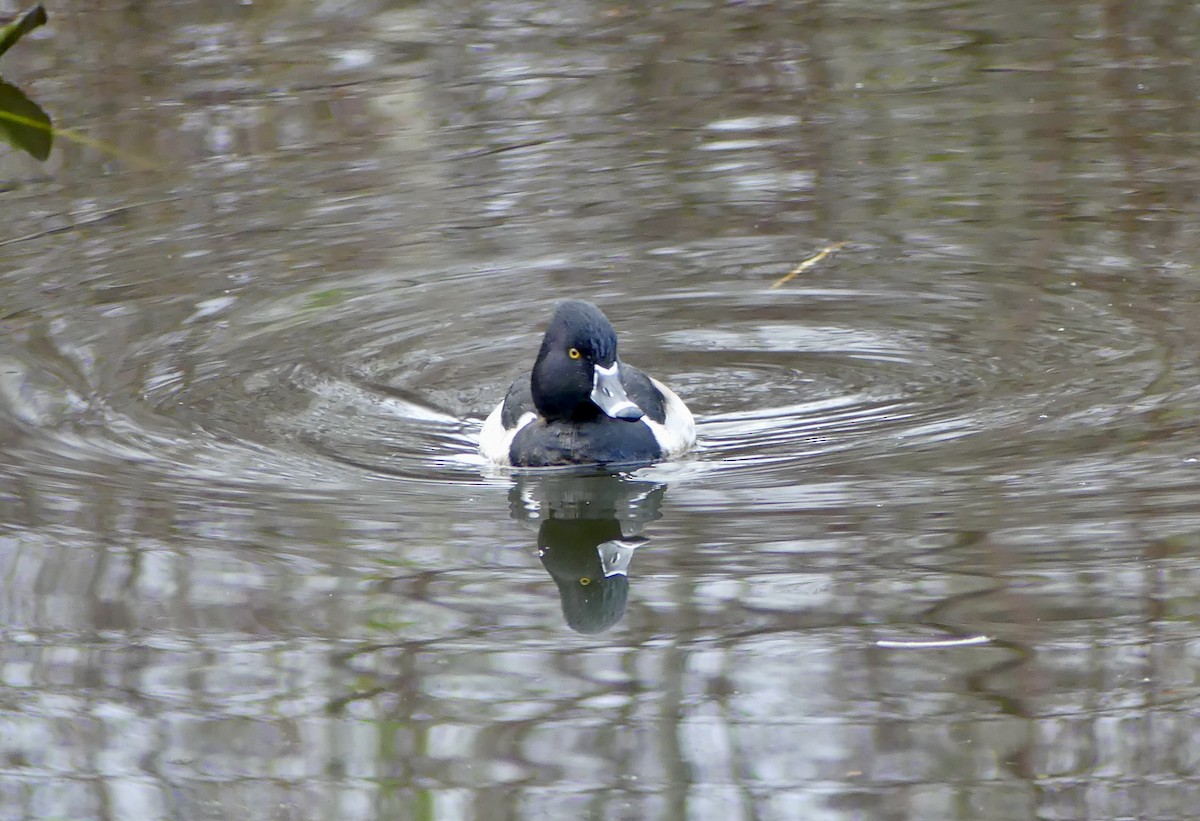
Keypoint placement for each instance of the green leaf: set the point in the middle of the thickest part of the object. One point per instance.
(23, 124)
(24, 24)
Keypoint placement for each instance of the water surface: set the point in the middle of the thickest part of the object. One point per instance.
(935, 556)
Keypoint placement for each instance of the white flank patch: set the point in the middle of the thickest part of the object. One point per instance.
(494, 440)
(677, 433)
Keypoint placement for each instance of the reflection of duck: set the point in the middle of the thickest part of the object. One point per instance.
(593, 591)
(588, 529)
(581, 405)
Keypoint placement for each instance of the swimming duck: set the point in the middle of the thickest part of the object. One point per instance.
(581, 405)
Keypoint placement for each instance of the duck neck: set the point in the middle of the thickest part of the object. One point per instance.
(562, 400)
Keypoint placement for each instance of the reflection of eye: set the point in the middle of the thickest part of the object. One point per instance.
(585, 581)
(574, 353)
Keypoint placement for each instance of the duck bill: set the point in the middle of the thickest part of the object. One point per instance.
(610, 397)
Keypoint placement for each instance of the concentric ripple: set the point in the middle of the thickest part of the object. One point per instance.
(861, 374)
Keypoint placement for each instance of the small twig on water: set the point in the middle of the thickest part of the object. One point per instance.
(808, 263)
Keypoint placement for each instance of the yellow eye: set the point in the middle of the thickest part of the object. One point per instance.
(574, 353)
(584, 580)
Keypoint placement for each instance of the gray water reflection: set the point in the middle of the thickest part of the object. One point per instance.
(251, 567)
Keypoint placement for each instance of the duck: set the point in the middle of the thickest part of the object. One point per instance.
(581, 405)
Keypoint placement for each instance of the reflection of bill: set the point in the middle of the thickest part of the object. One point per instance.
(588, 529)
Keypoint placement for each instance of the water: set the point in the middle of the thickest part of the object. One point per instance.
(934, 556)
